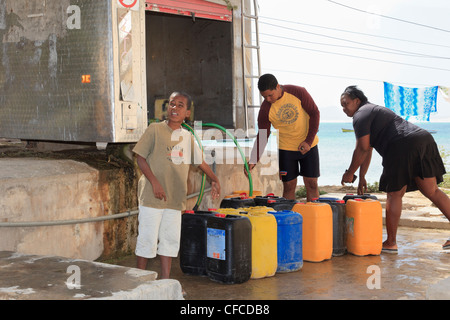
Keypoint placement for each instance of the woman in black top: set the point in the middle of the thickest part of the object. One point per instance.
(411, 159)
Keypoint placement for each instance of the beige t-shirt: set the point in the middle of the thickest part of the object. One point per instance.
(169, 153)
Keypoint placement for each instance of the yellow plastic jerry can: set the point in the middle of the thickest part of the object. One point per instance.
(264, 243)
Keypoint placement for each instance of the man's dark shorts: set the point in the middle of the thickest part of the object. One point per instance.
(294, 163)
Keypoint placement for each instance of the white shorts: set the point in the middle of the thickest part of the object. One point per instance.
(159, 232)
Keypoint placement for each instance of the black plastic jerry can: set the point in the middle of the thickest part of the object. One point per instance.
(229, 244)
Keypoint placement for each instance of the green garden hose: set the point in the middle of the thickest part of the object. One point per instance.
(250, 192)
(202, 188)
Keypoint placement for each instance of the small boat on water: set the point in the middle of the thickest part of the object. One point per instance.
(432, 131)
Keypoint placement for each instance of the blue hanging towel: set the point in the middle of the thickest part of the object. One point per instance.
(411, 103)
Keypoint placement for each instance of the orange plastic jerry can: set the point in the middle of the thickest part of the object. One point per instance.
(317, 230)
(364, 222)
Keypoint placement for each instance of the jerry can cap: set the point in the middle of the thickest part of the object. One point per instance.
(189, 211)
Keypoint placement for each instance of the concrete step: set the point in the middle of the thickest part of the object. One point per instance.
(35, 277)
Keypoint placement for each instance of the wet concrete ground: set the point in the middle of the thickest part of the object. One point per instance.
(421, 262)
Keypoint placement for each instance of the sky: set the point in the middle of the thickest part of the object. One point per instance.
(326, 46)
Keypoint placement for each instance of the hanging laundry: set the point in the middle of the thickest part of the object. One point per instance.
(411, 103)
(445, 91)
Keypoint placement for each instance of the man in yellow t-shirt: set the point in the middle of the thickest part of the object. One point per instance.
(291, 110)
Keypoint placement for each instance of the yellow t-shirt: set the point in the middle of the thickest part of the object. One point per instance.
(296, 117)
(169, 153)
(292, 122)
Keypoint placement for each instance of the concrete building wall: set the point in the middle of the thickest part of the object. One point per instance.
(49, 190)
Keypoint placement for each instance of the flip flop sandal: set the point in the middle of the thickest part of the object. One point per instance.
(446, 246)
(390, 251)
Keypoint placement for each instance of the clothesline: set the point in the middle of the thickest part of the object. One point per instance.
(413, 103)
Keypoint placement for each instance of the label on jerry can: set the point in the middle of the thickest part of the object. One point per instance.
(349, 223)
(215, 241)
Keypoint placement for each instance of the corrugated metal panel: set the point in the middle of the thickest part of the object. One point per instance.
(54, 82)
(200, 8)
(59, 76)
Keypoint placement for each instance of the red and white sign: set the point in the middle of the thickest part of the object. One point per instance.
(129, 4)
